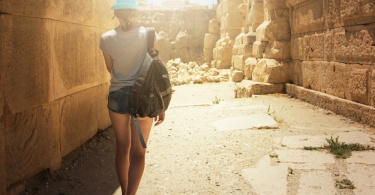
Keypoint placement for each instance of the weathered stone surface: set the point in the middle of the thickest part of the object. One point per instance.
(237, 76)
(232, 21)
(334, 79)
(309, 47)
(296, 72)
(276, 13)
(316, 182)
(252, 121)
(250, 64)
(224, 53)
(273, 4)
(311, 74)
(25, 58)
(308, 17)
(78, 65)
(101, 107)
(277, 50)
(91, 13)
(2, 159)
(249, 38)
(32, 141)
(228, 6)
(372, 88)
(295, 2)
(223, 64)
(233, 33)
(247, 88)
(210, 40)
(79, 118)
(258, 48)
(275, 30)
(256, 14)
(208, 55)
(362, 177)
(238, 62)
(355, 111)
(355, 44)
(357, 12)
(271, 71)
(358, 83)
(214, 26)
(239, 39)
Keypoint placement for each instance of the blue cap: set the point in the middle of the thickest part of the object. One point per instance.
(124, 4)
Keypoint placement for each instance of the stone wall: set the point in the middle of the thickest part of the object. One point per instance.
(333, 47)
(53, 83)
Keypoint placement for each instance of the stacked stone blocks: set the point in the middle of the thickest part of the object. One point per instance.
(332, 47)
(53, 83)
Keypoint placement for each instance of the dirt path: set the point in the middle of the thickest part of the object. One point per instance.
(188, 155)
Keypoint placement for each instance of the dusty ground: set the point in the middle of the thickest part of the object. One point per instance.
(188, 155)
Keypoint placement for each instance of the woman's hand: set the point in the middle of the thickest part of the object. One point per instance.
(159, 119)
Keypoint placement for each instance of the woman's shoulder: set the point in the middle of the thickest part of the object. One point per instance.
(109, 33)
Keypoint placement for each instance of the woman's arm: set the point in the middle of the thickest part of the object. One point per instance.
(108, 62)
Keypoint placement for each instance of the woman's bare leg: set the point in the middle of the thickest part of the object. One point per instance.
(121, 126)
(137, 154)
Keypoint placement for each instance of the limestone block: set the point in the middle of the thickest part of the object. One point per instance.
(223, 64)
(372, 88)
(224, 53)
(232, 21)
(214, 26)
(210, 40)
(276, 14)
(296, 72)
(275, 30)
(32, 141)
(182, 40)
(259, 48)
(239, 39)
(357, 12)
(310, 47)
(295, 2)
(208, 55)
(273, 4)
(358, 83)
(25, 58)
(233, 33)
(235, 50)
(297, 48)
(249, 38)
(79, 118)
(271, 71)
(308, 17)
(91, 13)
(256, 12)
(246, 50)
(332, 15)
(250, 64)
(238, 62)
(355, 44)
(214, 53)
(334, 79)
(78, 62)
(277, 50)
(237, 76)
(231, 6)
(101, 108)
(328, 46)
(2, 159)
(311, 74)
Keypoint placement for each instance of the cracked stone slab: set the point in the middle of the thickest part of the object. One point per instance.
(316, 182)
(363, 178)
(355, 137)
(304, 156)
(234, 108)
(252, 121)
(299, 142)
(362, 157)
(267, 179)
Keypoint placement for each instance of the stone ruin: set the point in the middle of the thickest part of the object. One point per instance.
(54, 82)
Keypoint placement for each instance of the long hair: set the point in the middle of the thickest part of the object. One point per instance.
(125, 16)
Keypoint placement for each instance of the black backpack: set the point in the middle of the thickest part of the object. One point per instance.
(152, 91)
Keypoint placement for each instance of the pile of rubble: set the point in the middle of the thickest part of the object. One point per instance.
(192, 73)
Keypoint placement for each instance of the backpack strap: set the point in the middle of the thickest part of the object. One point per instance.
(150, 38)
(141, 139)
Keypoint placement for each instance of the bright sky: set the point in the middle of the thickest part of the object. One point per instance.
(210, 3)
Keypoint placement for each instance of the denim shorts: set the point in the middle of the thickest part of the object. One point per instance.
(118, 100)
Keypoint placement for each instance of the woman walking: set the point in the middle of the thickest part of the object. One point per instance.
(124, 49)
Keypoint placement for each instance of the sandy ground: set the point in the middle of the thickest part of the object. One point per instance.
(188, 154)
